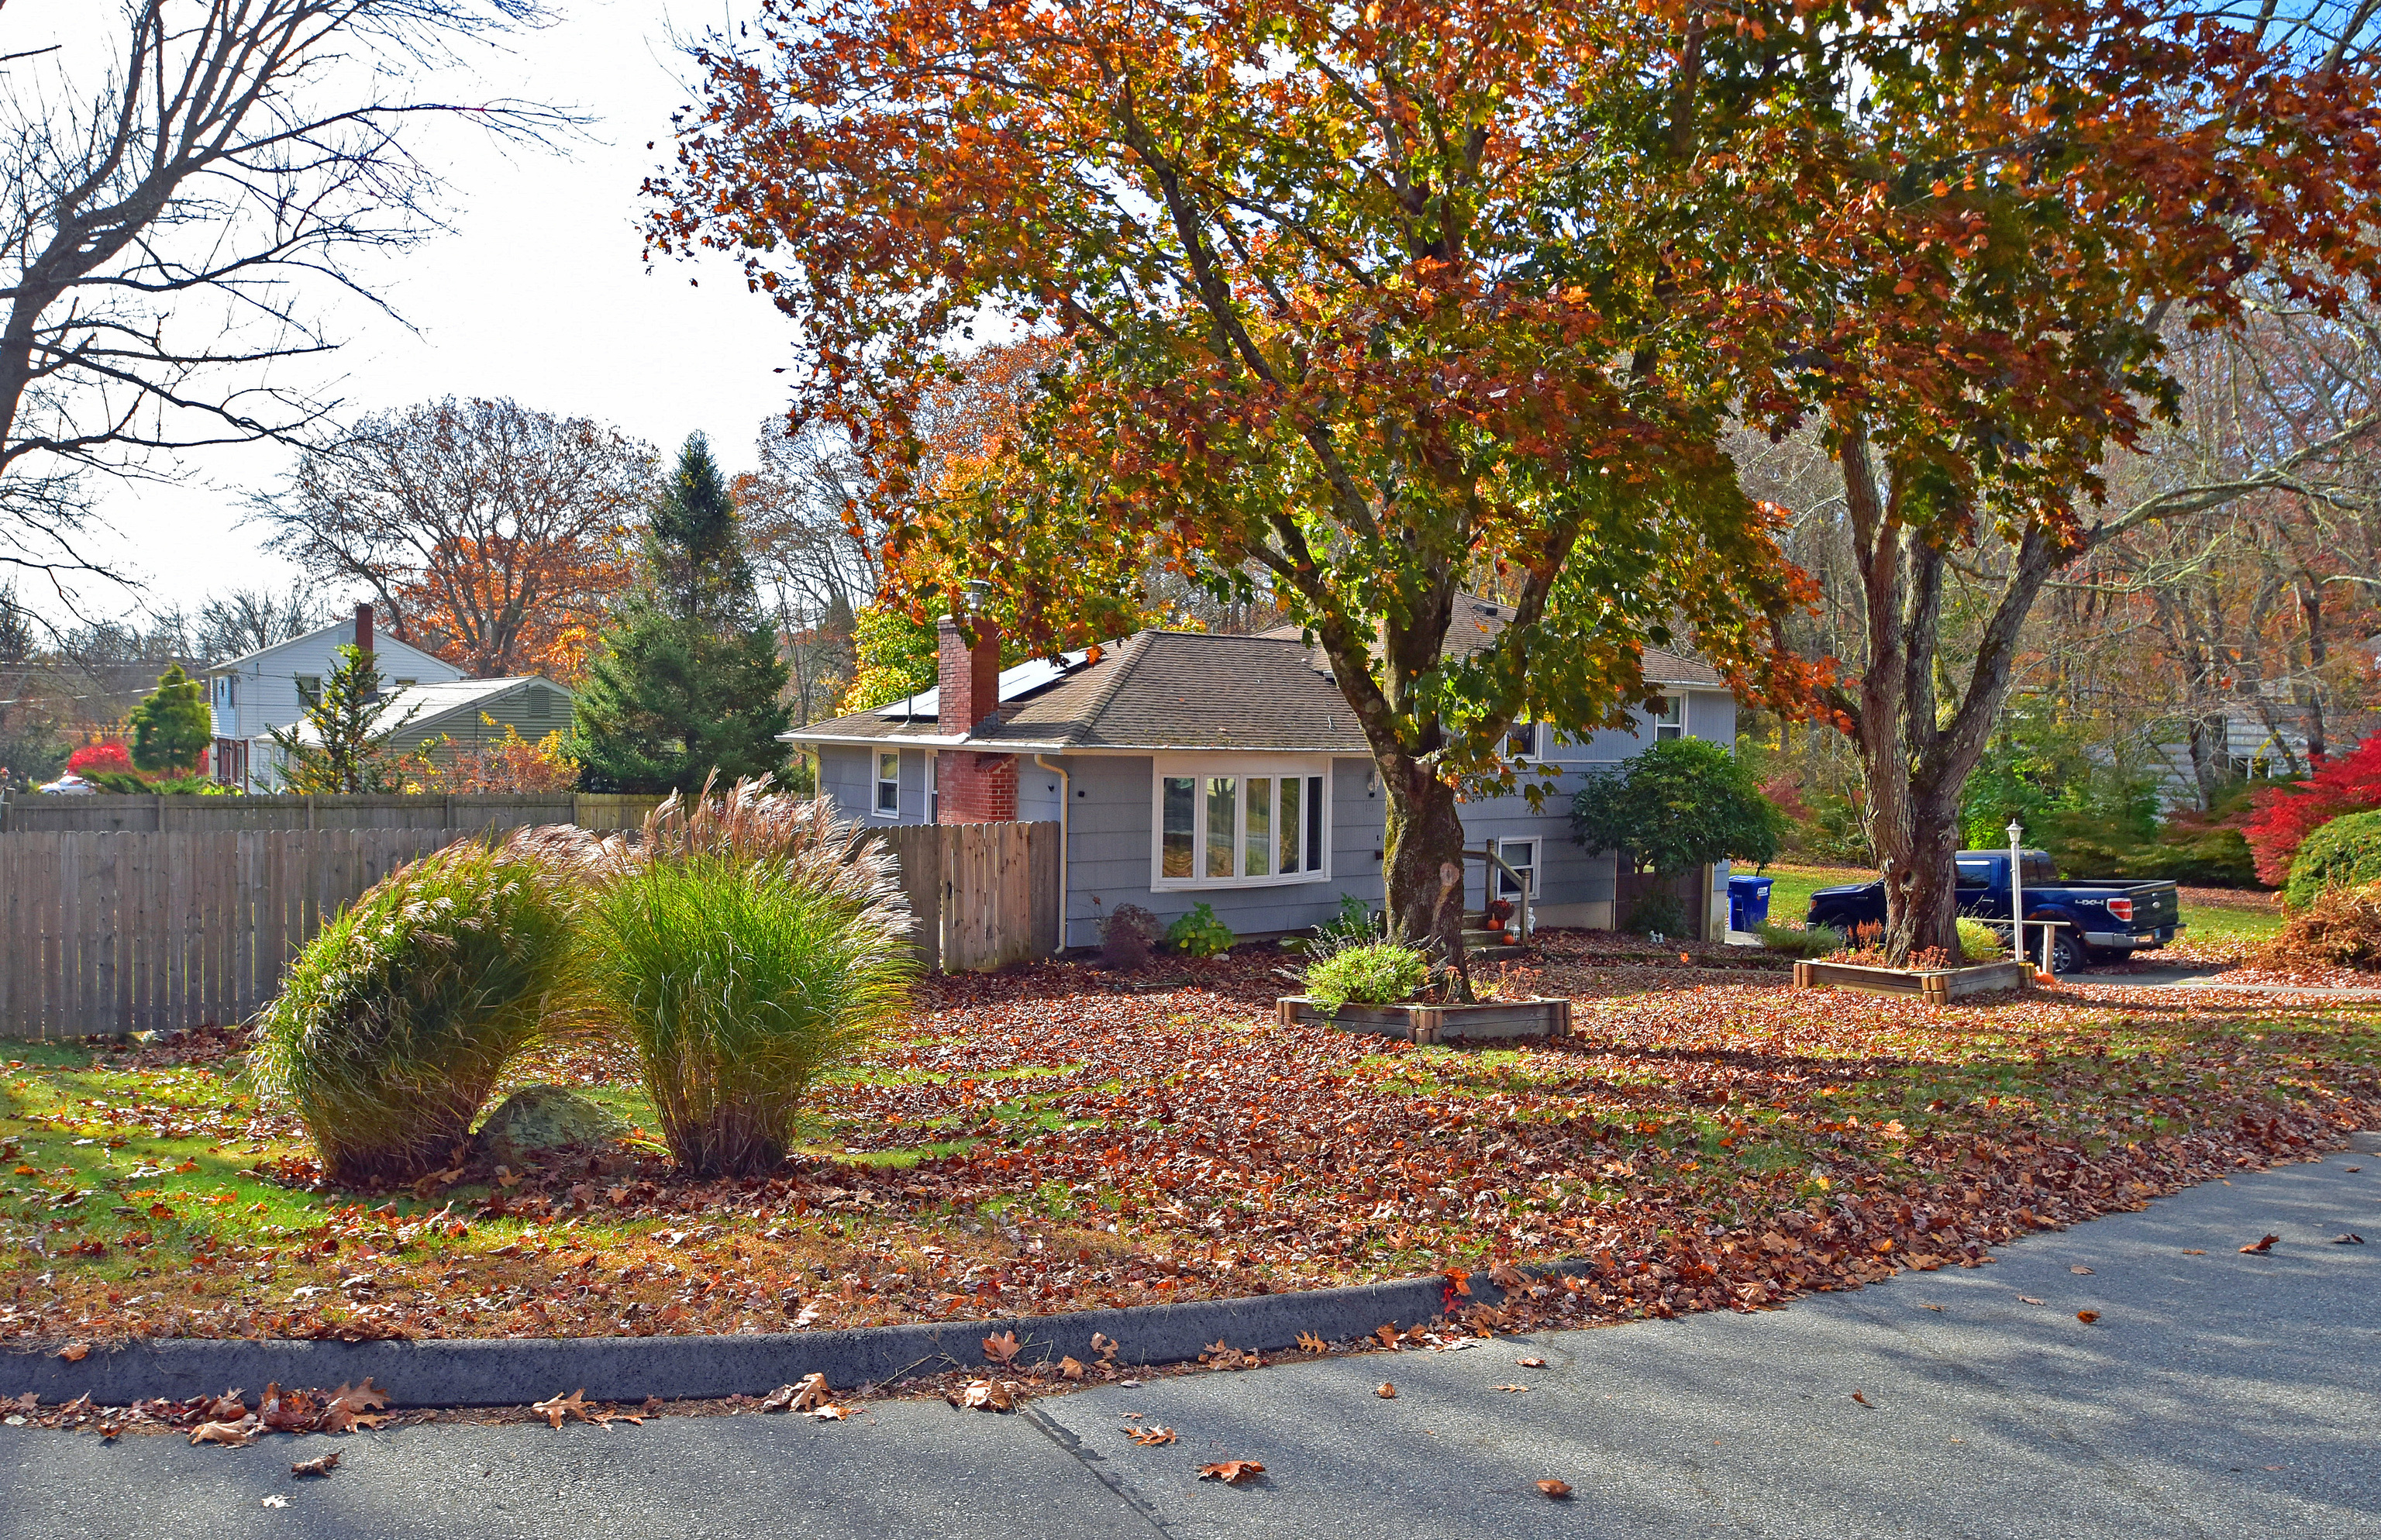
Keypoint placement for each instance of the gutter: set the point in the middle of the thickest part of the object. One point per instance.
(1065, 798)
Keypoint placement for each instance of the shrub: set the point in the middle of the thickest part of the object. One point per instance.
(1979, 942)
(110, 755)
(2342, 853)
(1658, 914)
(1377, 974)
(398, 1017)
(2339, 928)
(1354, 925)
(1794, 941)
(1679, 804)
(748, 944)
(1200, 934)
(1128, 938)
(2286, 817)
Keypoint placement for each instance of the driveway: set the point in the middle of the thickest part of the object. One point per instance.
(2217, 1394)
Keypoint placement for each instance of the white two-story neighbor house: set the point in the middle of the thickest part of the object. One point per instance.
(272, 686)
(1188, 767)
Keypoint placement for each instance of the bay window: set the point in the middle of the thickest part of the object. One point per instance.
(1239, 823)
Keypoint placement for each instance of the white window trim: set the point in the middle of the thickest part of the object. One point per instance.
(1163, 767)
(1537, 749)
(1654, 724)
(876, 808)
(1497, 876)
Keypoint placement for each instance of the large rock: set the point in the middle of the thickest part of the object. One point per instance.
(539, 1119)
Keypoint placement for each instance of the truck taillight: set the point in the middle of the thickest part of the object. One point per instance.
(2121, 910)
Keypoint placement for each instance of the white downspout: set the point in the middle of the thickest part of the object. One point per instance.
(1066, 795)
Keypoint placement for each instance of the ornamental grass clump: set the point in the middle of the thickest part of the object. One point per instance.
(748, 944)
(398, 1017)
(1379, 974)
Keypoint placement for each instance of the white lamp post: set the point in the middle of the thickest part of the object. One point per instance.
(2016, 890)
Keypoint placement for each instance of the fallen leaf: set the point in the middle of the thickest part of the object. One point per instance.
(74, 1353)
(812, 1391)
(1071, 1368)
(1531, 1362)
(1460, 1281)
(320, 1466)
(1558, 1491)
(2028, 1299)
(2078, 1267)
(2087, 1316)
(2351, 1238)
(829, 1413)
(1863, 1399)
(561, 1406)
(1387, 1334)
(293, 1411)
(505, 1178)
(1387, 1391)
(1146, 1437)
(1105, 1347)
(1231, 1472)
(349, 1405)
(230, 1408)
(1512, 1387)
(1926, 1262)
(603, 1419)
(274, 1500)
(1506, 1276)
(777, 1399)
(232, 1434)
(1935, 1308)
(983, 1395)
(2264, 1245)
(1003, 1349)
(1312, 1343)
(2194, 1251)
(2353, 1169)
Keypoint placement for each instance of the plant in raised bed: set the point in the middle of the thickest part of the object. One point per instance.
(398, 1017)
(1378, 973)
(1797, 941)
(1979, 942)
(750, 942)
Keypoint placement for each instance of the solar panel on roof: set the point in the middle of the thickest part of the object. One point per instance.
(1015, 683)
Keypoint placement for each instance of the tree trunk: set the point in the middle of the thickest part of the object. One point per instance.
(1422, 866)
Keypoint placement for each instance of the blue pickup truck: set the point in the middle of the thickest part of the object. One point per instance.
(2101, 919)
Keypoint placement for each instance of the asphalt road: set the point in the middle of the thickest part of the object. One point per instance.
(2218, 1395)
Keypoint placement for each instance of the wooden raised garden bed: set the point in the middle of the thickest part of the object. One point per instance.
(1430, 1023)
(1934, 984)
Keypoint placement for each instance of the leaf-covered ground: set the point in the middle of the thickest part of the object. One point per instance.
(1057, 1138)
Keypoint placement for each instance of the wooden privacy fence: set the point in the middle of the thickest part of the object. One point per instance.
(107, 932)
(137, 932)
(985, 895)
(158, 815)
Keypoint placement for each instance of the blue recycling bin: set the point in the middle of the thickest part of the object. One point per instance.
(1748, 902)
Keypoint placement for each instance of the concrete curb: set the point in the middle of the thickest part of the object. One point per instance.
(514, 1371)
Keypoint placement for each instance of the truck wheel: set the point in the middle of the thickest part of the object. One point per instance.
(2066, 954)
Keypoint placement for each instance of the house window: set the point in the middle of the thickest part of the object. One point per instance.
(1522, 740)
(309, 690)
(1670, 717)
(1521, 855)
(227, 692)
(934, 789)
(888, 785)
(1229, 828)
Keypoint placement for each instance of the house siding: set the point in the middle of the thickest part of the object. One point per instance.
(267, 686)
(533, 711)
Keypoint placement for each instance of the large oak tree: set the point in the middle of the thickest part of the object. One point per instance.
(1360, 307)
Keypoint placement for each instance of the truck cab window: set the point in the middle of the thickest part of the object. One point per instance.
(1975, 873)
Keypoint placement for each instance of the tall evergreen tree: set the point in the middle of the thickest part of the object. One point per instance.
(170, 729)
(689, 681)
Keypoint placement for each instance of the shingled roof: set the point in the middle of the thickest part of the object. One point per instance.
(1188, 690)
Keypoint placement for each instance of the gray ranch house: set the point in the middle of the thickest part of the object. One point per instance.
(1188, 767)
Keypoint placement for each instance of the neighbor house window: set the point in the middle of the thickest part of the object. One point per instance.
(934, 789)
(1229, 826)
(889, 783)
(1670, 717)
(1521, 855)
(1522, 740)
(309, 690)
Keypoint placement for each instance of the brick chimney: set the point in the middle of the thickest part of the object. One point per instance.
(364, 629)
(976, 787)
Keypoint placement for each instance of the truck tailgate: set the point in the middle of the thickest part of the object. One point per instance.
(2157, 905)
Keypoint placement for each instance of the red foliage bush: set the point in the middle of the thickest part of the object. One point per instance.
(110, 755)
(2287, 815)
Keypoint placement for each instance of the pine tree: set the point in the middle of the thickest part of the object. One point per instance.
(349, 751)
(171, 727)
(688, 682)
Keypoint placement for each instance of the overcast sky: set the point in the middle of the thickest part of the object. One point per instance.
(539, 294)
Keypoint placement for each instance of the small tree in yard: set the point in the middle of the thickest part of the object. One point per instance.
(349, 751)
(687, 685)
(1681, 804)
(170, 728)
